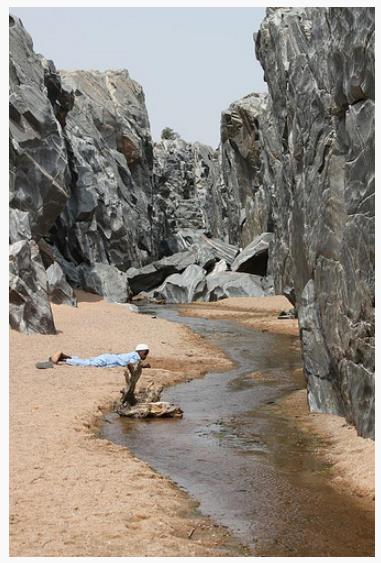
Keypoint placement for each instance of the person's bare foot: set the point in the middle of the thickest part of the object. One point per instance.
(58, 357)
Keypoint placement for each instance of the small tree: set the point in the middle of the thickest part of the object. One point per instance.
(168, 133)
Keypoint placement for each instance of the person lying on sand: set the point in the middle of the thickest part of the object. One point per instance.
(132, 360)
(104, 360)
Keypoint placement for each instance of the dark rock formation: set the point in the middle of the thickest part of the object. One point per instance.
(108, 218)
(185, 239)
(318, 135)
(196, 249)
(233, 284)
(151, 276)
(29, 307)
(59, 290)
(182, 288)
(254, 258)
(241, 161)
(39, 173)
(187, 190)
(39, 176)
(104, 279)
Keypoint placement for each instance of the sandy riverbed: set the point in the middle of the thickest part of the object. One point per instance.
(72, 494)
(352, 458)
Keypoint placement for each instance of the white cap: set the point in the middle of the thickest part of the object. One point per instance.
(141, 347)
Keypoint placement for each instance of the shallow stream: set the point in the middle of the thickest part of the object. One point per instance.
(245, 462)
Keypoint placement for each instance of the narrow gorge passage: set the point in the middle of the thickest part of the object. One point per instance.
(246, 464)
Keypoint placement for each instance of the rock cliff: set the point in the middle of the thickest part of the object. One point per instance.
(241, 168)
(109, 215)
(187, 190)
(318, 137)
(39, 184)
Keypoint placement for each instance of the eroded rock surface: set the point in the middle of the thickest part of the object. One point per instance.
(39, 172)
(318, 134)
(108, 218)
(58, 288)
(241, 164)
(254, 258)
(29, 307)
(187, 190)
(182, 288)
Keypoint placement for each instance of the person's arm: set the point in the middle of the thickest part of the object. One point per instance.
(135, 371)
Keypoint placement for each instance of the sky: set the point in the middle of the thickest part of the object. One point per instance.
(192, 62)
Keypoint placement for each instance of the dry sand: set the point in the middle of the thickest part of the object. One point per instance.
(72, 494)
(259, 313)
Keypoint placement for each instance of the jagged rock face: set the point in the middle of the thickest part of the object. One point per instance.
(29, 307)
(108, 217)
(39, 186)
(319, 140)
(241, 164)
(59, 290)
(254, 258)
(187, 190)
(182, 288)
(233, 284)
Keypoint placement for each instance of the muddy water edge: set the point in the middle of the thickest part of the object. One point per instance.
(247, 465)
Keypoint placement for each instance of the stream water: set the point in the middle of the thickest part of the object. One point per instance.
(246, 464)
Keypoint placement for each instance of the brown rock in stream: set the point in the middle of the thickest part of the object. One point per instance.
(150, 410)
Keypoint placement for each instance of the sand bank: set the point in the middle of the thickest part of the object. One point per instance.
(72, 494)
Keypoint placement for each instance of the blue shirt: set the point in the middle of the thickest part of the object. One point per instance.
(106, 360)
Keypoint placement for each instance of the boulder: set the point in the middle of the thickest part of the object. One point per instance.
(59, 290)
(29, 307)
(159, 409)
(151, 276)
(182, 288)
(232, 284)
(253, 259)
(219, 267)
(104, 280)
(195, 239)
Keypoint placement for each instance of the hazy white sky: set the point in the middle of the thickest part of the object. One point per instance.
(191, 62)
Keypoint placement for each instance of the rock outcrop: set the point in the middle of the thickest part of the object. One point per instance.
(39, 172)
(241, 167)
(29, 307)
(39, 175)
(254, 258)
(182, 288)
(187, 190)
(318, 135)
(59, 290)
(108, 218)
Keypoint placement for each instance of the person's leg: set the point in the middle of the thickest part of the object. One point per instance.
(102, 361)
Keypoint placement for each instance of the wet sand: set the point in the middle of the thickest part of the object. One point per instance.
(72, 494)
